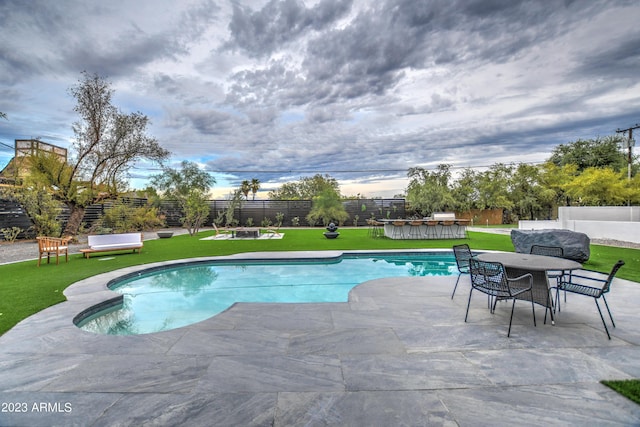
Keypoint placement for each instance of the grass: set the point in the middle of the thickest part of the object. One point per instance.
(27, 289)
(628, 388)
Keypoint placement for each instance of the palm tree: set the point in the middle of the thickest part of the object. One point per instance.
(245, 187)
(255, 186)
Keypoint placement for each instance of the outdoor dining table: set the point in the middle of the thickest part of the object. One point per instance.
(517, 264)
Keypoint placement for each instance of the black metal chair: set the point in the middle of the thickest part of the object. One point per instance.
(491, 278)
(554, 251)
(592, 284)
(463, 255)
(547, 250)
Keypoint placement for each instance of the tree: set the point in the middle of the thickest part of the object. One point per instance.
(107, 143)
(599, 187)
(255, 186)
(327, 207)
(3, 115)
(245, 187)
(494, 186)
(526, 192)
(598, 152)
(464, 190)
(555, 178)
(38, 204)
(189, 186)
(429, 192)
(305, 189)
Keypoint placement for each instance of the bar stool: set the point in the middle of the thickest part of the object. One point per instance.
(461, 229)
(372, 228)
(398, 229)
(414, 230)
(378, 228)
(447, 229)
(432, 229)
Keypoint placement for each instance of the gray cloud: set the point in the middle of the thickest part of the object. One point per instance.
(280, 22)
(360, 89)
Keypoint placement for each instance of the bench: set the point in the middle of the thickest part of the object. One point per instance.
(113, 242)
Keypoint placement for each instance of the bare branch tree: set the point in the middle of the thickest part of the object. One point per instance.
(107, 144)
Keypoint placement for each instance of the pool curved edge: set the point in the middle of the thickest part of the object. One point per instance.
(94, 294)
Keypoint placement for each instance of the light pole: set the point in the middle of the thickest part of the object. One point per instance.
(628, 145)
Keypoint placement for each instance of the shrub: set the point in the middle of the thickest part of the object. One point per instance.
(124, 217)
(11, 234)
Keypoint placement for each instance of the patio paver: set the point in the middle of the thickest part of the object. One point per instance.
(398, 353)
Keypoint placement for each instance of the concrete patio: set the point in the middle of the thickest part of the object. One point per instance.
(398, 353)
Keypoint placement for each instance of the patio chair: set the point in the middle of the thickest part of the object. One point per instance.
(219, 232)
(554, 251)
(273, 230)
(53, 245)
(491, 278)
(592, 284)
(463, 255)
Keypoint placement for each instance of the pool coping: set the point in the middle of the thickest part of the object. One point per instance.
(104, 302)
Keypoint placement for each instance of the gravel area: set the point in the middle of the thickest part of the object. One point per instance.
(28, 250)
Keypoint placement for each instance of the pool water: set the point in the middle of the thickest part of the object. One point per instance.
(180, 296)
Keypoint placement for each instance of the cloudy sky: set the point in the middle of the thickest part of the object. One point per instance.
(362, 90)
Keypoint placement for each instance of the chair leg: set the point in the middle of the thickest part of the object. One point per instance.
(533, 308)
(513, 306)
(609, 311)
(456, 286)
(549, 307)
(602, 317)
(468, 304)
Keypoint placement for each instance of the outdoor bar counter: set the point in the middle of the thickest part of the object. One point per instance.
(450, 228)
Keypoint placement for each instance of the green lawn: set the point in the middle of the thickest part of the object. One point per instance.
(27, 289)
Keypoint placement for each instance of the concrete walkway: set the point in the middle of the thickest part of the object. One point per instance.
(398, 353)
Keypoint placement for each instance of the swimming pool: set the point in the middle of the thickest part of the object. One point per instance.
(166, 298)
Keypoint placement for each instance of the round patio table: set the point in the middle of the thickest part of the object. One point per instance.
(517, 264)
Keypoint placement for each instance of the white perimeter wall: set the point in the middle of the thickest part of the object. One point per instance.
(597, 222)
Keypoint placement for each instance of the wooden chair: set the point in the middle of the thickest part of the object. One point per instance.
(53, 245)
(220, 232)
(273, 230)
